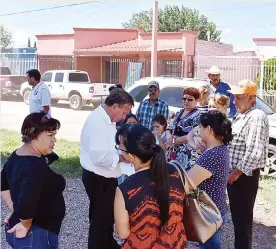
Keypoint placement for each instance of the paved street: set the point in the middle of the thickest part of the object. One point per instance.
(14, 112)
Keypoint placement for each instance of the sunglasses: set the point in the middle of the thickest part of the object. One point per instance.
(186, 99)
(153, 90)
(117, 147)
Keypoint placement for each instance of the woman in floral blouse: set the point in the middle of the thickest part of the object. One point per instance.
(185, 120)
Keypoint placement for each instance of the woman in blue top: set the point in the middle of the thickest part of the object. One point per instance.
(211, 170)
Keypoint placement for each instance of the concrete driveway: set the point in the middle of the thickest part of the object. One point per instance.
(14, 112)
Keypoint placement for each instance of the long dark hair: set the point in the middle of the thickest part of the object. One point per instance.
(140, 142)
(219, 123)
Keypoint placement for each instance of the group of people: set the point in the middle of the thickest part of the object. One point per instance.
(134, 192)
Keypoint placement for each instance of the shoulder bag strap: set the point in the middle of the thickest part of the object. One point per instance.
(190, 184)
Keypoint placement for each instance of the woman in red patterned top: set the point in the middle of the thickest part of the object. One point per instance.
(149, 204)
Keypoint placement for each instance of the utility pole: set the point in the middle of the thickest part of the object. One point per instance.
(154, 39)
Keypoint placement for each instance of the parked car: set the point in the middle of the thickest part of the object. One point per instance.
(10, 84)
(171, 92)
(72, 85)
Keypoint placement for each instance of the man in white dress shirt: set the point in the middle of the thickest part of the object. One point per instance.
(99, 160)
(40, 99)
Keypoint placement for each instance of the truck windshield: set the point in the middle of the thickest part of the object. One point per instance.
(78, 77)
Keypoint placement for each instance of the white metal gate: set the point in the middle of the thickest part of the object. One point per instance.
(236, 68)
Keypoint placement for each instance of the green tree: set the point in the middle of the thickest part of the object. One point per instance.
(173, 19)
(29, 42)
(269, 81)
(5, 37)
(35, 44)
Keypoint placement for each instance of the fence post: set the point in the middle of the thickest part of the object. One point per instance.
(197, 67)
(262, 78)
(36, 58)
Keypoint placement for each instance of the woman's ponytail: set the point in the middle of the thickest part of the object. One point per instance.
(159, 174)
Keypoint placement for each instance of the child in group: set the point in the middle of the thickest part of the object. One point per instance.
(127, 169)
(159, 125)
(131, 119)
(219, 102)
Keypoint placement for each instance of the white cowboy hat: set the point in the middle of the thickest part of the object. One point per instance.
(213, 70)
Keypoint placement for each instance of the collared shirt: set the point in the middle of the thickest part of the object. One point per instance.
(222, 89)
(249, 147)
(97, 145)
(40, 97)
(146, 111)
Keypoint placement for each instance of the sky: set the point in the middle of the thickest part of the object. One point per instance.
(239, 21)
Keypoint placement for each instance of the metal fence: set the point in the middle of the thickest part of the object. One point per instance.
(127, 71)
(55, 63)
(18, 63)
(236, 68)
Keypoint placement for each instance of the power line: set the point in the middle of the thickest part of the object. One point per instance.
(242, 7)
(50, 8)
(58, 25)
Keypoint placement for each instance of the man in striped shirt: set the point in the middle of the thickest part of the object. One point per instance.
(152, 106)
(248, 154)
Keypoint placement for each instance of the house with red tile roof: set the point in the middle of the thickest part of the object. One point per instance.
(120, 55)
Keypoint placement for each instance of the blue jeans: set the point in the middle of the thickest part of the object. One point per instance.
(215, 241)
(37, 238)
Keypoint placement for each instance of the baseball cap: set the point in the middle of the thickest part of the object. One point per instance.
(244, 87)
(153, 83)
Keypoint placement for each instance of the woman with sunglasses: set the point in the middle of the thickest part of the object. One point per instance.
(148, 206)
(31, 189)
(185, 120)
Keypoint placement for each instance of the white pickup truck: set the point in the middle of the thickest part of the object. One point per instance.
(72, 85)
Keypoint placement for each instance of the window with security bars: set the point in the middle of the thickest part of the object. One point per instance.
(171, 68)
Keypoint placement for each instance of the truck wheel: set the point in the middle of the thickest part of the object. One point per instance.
(270, 168)
(26, 96)
(75, 102)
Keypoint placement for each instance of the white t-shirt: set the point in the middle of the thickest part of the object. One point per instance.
(40, 97)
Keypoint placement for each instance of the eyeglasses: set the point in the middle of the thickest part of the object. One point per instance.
(117, 147)
(186, 99)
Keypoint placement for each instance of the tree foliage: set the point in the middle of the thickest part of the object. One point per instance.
(173, 19)
(269, 81)
(5, 37)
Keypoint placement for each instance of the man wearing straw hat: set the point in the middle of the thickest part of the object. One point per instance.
(221, 87)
